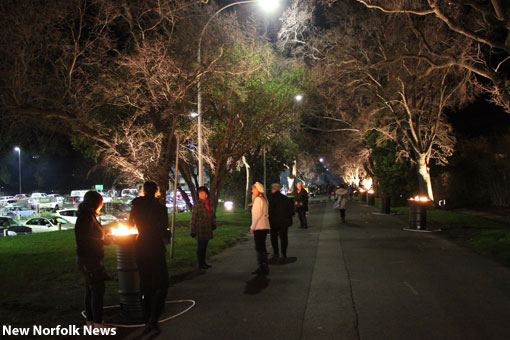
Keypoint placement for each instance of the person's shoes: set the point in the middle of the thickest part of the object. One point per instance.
(258, 271)
(152, 328)
(283, 259)
(204, 266)
(207, 265)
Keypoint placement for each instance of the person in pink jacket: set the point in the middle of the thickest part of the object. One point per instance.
(260, 226)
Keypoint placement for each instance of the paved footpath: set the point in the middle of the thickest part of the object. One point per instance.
(366, 279)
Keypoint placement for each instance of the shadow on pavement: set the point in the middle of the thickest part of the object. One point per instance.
(279, 261)
(186, 276)
(256, 285)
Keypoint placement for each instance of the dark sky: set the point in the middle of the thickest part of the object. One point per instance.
(480, 118)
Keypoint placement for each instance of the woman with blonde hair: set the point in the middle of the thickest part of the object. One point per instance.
(260, 226)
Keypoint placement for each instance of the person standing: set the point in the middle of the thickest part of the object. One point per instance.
(90, 241)
(203, 222)
(341, 195)
(260, 226)
(301, 202)
(150, 217)
(281, 211)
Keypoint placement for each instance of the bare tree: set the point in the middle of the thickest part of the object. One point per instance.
(115, 77)
(365, 82)
(485, 24)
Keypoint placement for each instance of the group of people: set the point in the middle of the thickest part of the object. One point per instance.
(270, 215)
(150, 217)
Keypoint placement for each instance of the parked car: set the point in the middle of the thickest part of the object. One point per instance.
(181, 205)
(9, 227)
(18, 211)
(20, 196)
(5, 199)
(129, 192)
(49, 203)
(69, 214)
(71, 201)
(114, 211)
(43, 224)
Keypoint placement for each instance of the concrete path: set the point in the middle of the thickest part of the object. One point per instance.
(366, 279)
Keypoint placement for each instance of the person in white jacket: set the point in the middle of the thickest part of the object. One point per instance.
(341, 197)
(260, 226)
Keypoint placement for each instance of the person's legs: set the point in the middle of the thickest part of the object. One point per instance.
(342, 215)
(260, 247)
(284, 240)
(88, 304)
(201, 252)
(159, 285)
(97, 293)
(274, 241)
(93, 272)
(302, 217)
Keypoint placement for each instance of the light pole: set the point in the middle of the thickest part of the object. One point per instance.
(19, 166)
(269, 4)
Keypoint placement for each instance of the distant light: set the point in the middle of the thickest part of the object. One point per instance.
(321, 160)
(327, 169)
(299, 97)
(228, 205)
(269, 5)
(193, 114)
(17, 149)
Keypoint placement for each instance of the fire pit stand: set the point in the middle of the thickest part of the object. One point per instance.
(418, 215)
(129, 279)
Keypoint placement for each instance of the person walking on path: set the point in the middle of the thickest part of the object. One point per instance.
(301, 202)
(281, 211)
(90, 241)
(203, 222)
(260, 226)
(150, 216)
(341, 195)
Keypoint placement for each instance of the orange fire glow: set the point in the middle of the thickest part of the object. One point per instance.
(123, 230)
(420, 198)
(371, 191)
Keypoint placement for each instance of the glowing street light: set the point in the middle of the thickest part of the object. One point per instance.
(17, 149)
(321, 159)
(266, 4)
(298, 97)
(193, 115)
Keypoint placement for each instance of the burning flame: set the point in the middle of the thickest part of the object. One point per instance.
(367, 183)
(362, 190)
(420, 198)
(371, 191)
(123, 230)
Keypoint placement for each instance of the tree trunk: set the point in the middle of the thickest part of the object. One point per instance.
(247, 195)
(424, 175)
(292, 177)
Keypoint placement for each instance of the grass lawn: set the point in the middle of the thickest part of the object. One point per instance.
(39, 282)
(485, 236)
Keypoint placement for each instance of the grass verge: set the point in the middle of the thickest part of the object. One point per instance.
(40, 284)
(483, 235)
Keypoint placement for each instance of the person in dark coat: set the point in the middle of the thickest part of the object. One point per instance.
(281, 211)
(301, 201)
(90, 241)
(203, 222)
(150, 217)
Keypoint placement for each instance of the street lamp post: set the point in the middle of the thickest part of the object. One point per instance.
(270, 4)
(19, 166)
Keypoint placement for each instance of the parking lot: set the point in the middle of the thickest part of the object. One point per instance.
(41, 212)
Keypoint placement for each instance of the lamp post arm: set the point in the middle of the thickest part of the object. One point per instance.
(199, 87)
